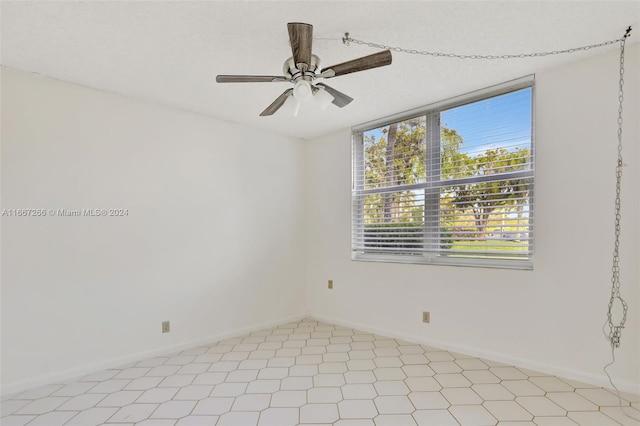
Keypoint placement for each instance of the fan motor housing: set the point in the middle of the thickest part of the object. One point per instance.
(289, 69)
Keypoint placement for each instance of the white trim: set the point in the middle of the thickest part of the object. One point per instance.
(580, 376)
(426, 259)
(83, 370)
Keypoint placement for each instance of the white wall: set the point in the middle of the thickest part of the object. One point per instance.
(549, 319)
(213, 242)
(219, 224)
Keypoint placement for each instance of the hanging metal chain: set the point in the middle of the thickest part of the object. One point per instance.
(615, 331)
(347, 40)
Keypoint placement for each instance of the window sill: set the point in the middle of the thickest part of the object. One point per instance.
(525, 265)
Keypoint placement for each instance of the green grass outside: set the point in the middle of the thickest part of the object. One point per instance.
(489, 246)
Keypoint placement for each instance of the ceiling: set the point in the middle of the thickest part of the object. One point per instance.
(170, 52)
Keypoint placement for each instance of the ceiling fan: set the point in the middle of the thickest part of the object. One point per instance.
(303, 68)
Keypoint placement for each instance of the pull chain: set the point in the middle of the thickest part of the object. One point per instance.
(615, 330)
(347, 40)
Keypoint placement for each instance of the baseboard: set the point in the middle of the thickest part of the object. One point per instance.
(77, 372)
(580, 376)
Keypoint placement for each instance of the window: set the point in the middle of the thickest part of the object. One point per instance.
(451, 183)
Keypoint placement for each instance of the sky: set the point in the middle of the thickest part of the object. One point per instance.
(500, 122)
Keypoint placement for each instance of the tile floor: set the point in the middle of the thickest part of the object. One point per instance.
(310, 372)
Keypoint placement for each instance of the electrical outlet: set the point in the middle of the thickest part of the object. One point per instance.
(426, 317)
(330, 285)
(166, 326)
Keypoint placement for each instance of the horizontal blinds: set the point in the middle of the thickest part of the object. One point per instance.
(451, 183)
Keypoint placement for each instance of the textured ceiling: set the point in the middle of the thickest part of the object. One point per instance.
(170, 52)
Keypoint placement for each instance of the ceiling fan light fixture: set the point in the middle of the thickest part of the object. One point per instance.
(291, 107)
(323, 98)
(296, 107)
(302, 90)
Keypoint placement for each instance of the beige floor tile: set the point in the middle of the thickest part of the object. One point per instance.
(522, 388)
(592, 418)
(508, 373)
(133, 413)
(481, 376)
(493, 392)
(292, 399)
(357, 409)
(601, 397)
(335, 367)
(193, 393)
(324, 395)
(626, 416)
(359, 391)
(507, 411)
(434, 417)
(470, 364)
(173, 409)
(279, 417)
(388, 362)
(263, 386)
(77, 403)
(229, 389)
(551, 384)
(452, 380)
(238, 418)
(197, 420)
(440, 356)
(43, 405)
(319, 413)
(461, 396)
(445, 367)
(296, 383)
(92, 416)
(571, 401)
(120, 399)
(394, 420)
(9, 407)
(309, 372)
(213, 406)
(156, 422)
(360, 377)
(389, 374)
(54, 418)
(418, 370)
(391, 387)
(540, 406)
(475, 415)
(17, 420)
(422, 384)
(361, 364)
(243, 376)
(324, 380)
(395, 404)
(428, 400)
(553, 421)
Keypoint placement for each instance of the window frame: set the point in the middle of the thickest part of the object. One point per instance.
(432, 197)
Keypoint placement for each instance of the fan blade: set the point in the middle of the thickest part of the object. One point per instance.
(277, 104)
(300, 37)
(250, 79)
(376, 60)
(339, 98)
